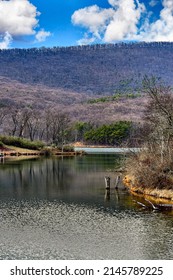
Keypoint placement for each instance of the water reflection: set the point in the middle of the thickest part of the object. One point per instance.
(76, 177)
(57, 209)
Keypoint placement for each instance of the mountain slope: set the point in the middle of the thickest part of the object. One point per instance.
(65, 78)
(100, 69)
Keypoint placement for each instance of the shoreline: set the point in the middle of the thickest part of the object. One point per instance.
(10, 151)
(19, 154)
(157, 196)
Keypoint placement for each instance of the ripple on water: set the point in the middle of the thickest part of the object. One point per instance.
(57, 230)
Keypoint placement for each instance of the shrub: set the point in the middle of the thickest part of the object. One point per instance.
(47, 152)
(66, 148)
(21, 142)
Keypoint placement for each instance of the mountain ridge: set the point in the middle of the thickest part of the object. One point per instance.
(91, 70)
(65, 79)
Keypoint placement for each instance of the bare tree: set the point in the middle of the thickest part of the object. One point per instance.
(20, 118)
(57, 124)
(152, 167)
(34, 124)
(3, 114)
(159, 116)
(63, 126)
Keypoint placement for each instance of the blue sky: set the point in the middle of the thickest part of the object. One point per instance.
(36, 23)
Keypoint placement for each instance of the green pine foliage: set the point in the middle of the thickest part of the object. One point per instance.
(115, 97)
(109, 134)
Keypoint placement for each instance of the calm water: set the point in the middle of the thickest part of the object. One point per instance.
(56, 209)
(106, 150)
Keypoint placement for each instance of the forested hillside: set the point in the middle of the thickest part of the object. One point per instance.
(90, 70)
(87, 88)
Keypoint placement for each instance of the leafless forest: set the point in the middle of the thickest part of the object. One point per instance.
(65, 80)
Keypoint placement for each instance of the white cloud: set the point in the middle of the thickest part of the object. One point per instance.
(86, 40)
(93, 18)
(6, 40)
(161, 29)
(42, 35)
(116, 23)
(153, 3)
(18, 17)
(114, 3)
(125, 20)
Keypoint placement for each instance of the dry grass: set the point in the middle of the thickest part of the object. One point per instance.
(147, 175)
(10, 150)
(157, 195)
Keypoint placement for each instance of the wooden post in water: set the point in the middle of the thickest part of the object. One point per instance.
(107, 182)
(107, 187)
(117, 182)
(2, 157)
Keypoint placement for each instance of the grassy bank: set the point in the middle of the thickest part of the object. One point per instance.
(8, 151)
(15, 146)
(154, 194)
(21, 142)
(150, 172)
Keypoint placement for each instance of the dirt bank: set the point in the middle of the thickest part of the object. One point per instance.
(153, 194)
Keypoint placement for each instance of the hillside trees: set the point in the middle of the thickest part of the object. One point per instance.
(110, 134)
(97, 69)
(55, 127)
(49, 126)
(80, 128)
(20, 120)
(3, 113)
(35, 126)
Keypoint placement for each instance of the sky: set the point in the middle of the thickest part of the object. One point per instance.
(49, 23)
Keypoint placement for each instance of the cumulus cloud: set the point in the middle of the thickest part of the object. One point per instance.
(6, 40)
(125, 20)
(18, 17)
(161, 29)
(111, 24)
(94, 18)
(42, 35)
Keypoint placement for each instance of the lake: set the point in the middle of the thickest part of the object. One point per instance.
(55, 208)
(91, 150)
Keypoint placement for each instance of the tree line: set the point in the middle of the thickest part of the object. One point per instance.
(55, 49)
(56, 128)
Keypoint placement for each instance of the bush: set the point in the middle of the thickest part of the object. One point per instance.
(47, 152)
(21, 142)
(66, 148)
